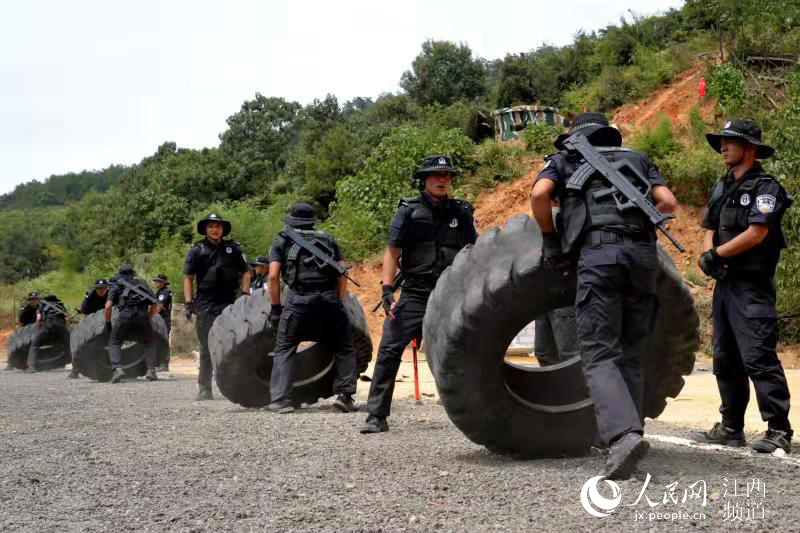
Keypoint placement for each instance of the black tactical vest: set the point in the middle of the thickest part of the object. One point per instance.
(218, 271)
(130, 300)
(304, 271)
(438, 235)
(729, 213)
(52, 309)
(589, 209)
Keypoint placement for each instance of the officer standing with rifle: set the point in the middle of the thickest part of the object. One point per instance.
(51, 326)
(164, 297)
(311, 263)
(428, 230)
(612, 201)
(261, 269)
(222, 274)
(743, 243)
(136, 305)
(95, 299)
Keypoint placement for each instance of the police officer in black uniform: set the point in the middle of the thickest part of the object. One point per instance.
(51, 324)
(743, 242)
(260, 271)
(95, 299)
(133, 321)
(314, 309)
(617, 266)
(222, 274)
(428, 230)
(27, 313)
(164, 297)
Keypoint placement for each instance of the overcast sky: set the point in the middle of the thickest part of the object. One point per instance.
(84, 84)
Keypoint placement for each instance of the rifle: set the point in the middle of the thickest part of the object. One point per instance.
(620, 185)
(320, 254)
(59, 309)
(398, 280)
(138, 291)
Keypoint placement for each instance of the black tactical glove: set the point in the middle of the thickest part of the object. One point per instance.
(552, 255)
(387, 298)
(189, 308)
(712, 264)
(274, 317)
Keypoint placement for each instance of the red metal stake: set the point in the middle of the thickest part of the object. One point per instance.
(414, 347)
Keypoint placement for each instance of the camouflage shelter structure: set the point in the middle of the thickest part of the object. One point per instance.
(508, 122)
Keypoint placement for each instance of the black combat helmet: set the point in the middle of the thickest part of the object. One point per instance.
(301, 214)
(741, 129)
(595, 127)
(213, 217)
(126, 270)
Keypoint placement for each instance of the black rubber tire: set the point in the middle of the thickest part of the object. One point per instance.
(90, 356)
(492, 290)
(50, 356)
(240, 341)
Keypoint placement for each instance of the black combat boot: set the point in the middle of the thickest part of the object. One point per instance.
(772, 439)
(151, 375)
(375, 424)
(118, 375)
(624, 454)
(344, 403)
(281, 408)
(73, 374)
(720, 434)
(204, 393)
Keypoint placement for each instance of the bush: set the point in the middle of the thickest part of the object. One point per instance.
(728, 87)
(692, 173)
(495, 162)
(539, 137)
(659, 142)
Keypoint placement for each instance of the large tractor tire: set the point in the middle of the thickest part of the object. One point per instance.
(494, 289)
(241, 340)
(50, 356)
(90, 356)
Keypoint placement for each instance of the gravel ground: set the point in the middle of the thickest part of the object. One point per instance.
(142, 456)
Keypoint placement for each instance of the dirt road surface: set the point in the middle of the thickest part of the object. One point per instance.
(142, 456)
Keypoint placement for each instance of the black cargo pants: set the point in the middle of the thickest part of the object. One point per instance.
(397, 334)
(614, 311)
(207, 313)
(555, 336)
(745, 336)
(54, 331)
(132, 324)
(168, 322)
(318, 316)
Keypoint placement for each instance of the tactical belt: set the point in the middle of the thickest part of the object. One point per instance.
(607, 237)
(313, 289)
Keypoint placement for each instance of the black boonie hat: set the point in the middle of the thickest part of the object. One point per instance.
(100, 284)
(261, 261)
(301, 214)
(435, 163)
(213, 217)
(126, 270)
(595, 127)
(33, 295)
(162, 278)
(741, 129)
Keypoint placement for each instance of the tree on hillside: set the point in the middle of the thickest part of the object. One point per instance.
(443, 73)
(259, 134)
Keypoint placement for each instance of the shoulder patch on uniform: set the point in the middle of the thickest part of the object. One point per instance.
(744, 199)
(765, 203)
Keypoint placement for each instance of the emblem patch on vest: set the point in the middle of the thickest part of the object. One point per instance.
(228, 250)
(765, 203)
(454, 223)
(745, 199)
